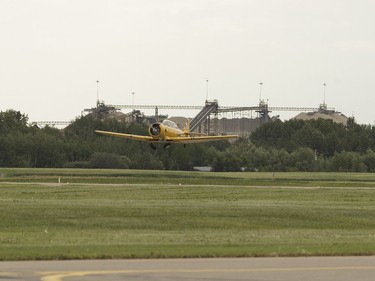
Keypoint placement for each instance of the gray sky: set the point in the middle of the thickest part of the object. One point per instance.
(53, 52)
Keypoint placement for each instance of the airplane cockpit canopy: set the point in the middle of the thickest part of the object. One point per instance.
(170, 123)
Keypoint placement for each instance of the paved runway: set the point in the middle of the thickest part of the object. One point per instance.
(259, 269)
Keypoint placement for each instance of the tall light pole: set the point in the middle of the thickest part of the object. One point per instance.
(206, 89)
(260, 91)
(324, 91)
(97, 92)
(133, 100)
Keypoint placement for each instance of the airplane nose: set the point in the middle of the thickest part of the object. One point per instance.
(155, 129)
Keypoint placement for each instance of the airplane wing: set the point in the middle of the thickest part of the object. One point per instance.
(191, 139)
(195, 134)
(127, 136)
(196, 139)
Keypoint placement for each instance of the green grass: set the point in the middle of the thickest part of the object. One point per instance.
(185, 177)
(128, 214)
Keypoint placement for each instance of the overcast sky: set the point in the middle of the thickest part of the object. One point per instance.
(53, 52)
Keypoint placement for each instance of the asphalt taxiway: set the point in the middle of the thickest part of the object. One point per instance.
(259, 269)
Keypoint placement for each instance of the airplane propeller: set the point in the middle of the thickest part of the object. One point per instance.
(155, 129)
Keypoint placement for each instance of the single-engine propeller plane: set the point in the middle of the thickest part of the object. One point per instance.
(167, 133)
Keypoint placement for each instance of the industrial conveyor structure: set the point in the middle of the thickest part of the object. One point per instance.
(204, 117)
(211, 119)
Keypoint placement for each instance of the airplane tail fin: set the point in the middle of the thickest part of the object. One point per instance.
(187, 127)
(187, 130)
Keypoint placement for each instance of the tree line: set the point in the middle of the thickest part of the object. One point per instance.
(294, 145)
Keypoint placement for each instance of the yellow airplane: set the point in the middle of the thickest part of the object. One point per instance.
(167, 133)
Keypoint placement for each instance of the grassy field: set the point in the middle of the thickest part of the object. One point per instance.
(129, 214)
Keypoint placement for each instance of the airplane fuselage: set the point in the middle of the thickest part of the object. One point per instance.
(162, 131)
(168, 132)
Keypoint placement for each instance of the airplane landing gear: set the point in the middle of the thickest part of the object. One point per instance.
(167, 145)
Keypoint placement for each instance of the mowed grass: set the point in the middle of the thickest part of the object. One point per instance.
(143, 214)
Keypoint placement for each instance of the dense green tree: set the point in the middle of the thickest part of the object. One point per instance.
(48, 148)
(105, 160)
(347, 162)
(294, 145)
(303, 159)
(12, 120)
(368, 159)
(14, 143)
(326, 136)
(226, 162)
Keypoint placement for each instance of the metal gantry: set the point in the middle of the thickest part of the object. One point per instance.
(221, 109)
(209, 114)
(50, 123)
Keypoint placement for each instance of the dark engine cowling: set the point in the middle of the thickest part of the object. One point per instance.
(155, 129)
